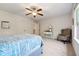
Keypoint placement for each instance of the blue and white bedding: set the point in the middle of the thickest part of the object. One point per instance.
(19, 45)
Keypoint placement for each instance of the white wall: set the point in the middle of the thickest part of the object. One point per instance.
(58, 23)
(18, 24)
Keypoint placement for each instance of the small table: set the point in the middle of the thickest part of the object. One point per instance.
(48, 34)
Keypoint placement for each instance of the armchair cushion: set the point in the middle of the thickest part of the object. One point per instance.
(61, 37)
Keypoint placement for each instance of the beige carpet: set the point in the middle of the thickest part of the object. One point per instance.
(56, 48)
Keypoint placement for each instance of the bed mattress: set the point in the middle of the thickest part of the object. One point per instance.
(19, 45)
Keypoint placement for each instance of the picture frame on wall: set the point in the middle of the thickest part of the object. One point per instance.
(5, 25)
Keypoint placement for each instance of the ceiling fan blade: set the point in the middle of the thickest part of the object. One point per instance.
(40, 14)
(28, 13)
(28, 9)
(39, 10)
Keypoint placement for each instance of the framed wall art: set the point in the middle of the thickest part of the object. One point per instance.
(5, 25)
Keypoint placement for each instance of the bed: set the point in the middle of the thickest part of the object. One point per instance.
(20, 45)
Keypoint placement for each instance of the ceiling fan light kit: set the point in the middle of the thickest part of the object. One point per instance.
(34, 11)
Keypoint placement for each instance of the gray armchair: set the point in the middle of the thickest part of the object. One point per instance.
(65, 36)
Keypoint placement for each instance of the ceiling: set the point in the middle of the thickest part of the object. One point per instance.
(49, 9)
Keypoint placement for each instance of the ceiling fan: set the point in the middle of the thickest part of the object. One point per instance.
(34, 11)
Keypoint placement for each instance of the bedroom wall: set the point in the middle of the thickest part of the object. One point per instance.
(57, 23)
(18, 24)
